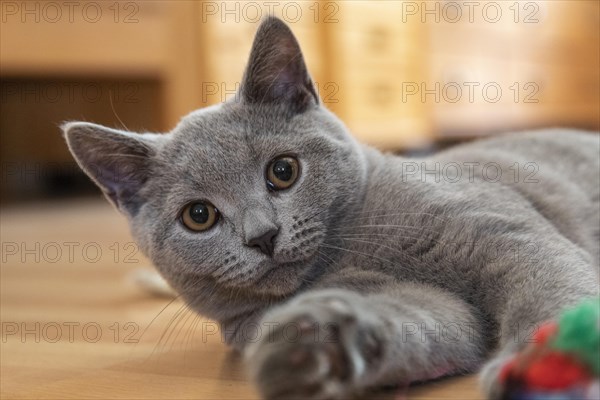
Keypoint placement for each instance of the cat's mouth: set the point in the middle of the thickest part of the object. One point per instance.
(280, 275)
(281, 279)
(287, 274)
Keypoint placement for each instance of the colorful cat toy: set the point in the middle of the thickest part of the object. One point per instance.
(562, 362)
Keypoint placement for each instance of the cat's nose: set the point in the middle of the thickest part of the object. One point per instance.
(264, 241)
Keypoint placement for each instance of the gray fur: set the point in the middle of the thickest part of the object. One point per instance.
(372, 251)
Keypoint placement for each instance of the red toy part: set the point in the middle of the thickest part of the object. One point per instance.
(545, 332)
(555, 371)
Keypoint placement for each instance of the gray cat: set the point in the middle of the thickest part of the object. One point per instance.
(338, 268)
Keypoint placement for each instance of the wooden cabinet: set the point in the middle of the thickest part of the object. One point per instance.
(536, 66)
(390, 69)
(373, 58)
(116, 40)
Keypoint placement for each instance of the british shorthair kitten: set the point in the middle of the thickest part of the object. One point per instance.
(357, 269)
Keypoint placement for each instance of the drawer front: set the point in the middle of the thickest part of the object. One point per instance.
(374, 35)
(498, 95)
(379, 109)
(88, 36)
(516, 81)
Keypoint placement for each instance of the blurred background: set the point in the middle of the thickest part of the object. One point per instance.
(405, 76)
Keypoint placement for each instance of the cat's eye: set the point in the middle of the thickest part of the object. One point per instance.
(282, 172)
(199, 216)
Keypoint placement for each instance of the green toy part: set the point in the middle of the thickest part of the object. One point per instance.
(579, 334)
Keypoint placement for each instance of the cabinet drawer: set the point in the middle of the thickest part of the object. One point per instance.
(378, 111)
(519, 81)
(85, 37)
(374, 34)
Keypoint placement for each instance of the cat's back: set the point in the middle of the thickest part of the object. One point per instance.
(559, 162)
(509, 179)
(570, 154)
(556, 171)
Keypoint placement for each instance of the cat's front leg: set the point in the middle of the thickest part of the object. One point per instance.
(334, 344)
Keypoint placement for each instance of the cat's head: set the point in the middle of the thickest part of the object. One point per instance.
(239, 196)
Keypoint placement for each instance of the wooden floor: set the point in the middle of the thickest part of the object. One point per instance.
(74, 325)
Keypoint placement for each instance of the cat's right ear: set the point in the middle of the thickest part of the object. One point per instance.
(119, 162)
(276, 71)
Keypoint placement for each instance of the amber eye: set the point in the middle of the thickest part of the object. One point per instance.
(282, 172)
(199, 216)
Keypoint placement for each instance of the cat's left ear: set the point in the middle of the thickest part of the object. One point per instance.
(276, 72)
(119, 162)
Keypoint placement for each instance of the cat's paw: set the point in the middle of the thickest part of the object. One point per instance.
(322, 345)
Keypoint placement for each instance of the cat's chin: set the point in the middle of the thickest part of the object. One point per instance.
(282, 279)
